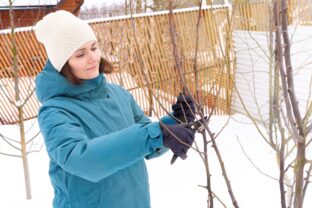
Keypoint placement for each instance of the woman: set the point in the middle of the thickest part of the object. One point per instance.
(96, 135)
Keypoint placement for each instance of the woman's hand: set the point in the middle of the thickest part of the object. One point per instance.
(184, 108)
(178, 138)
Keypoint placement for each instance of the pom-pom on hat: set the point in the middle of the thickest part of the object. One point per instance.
(62, 33)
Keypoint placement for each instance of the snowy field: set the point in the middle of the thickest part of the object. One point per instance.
(172, 186)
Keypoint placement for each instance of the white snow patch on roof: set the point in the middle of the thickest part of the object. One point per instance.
(5, 3)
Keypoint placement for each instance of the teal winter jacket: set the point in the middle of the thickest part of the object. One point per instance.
(97, 138)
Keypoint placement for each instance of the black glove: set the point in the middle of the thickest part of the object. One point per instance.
(184, 108)
(184, 134)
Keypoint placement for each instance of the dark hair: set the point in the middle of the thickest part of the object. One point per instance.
(105, 67)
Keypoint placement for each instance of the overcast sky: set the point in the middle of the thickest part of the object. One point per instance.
(49, 2)
(108, 2)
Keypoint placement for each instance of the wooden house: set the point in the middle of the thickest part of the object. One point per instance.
(28, 15)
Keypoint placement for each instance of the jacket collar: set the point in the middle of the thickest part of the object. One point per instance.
(50, 83)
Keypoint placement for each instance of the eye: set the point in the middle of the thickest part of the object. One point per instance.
(80, 55)
(94, 48)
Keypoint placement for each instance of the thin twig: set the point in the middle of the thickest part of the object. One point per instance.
(306, 183)
(9, 143)
(10, 155)
(33, 138)
(252, 163)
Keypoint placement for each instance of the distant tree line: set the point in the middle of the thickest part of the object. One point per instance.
(139, 6)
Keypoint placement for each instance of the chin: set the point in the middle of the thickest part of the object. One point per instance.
(91, 74)
(94, 76)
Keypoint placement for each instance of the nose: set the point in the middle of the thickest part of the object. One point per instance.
(92, 56)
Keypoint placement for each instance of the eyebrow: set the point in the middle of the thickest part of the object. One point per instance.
(81, 49)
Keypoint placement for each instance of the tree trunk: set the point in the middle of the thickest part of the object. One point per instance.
(145, 6)
(299, 170)
(156, 4)
(24, 153)
(139, 6)
(126, 7)
(291, 102)
(300, 139)
(19, 105)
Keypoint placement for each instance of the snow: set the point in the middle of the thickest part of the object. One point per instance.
(171, 185)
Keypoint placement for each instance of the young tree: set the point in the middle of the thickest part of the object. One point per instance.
(196, 97)
(24, 146)
(285, 122)
(293, 121)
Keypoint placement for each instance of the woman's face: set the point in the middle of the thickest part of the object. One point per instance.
(85, 62)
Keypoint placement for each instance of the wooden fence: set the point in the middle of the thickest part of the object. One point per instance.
(300, 12)
(150, 81)
(256, 16)
(143, 55)
(252, 16)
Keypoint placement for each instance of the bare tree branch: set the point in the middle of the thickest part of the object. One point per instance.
(28, 97)
(306, 183)
(34, 137)
(10, 144)
(7, 138)
(252, 163)
(10, 155)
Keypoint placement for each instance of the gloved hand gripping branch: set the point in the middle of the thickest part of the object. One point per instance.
(184, 108)
(178, 138)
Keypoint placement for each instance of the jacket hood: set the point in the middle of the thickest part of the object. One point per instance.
(50, 83)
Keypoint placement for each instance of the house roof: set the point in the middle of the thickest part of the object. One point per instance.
(30, 4)
(25, 7)
(28, 12)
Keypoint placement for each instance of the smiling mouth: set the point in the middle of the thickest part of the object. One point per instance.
(91, 68)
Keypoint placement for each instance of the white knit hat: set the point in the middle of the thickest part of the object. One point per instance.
(62, 34)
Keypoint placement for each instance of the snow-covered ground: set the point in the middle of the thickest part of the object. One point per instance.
(175, 185)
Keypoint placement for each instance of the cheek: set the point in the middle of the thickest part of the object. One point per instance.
(76, 67)
(98, 55)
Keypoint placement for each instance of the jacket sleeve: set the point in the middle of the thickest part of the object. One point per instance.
(169, 120)
(138, 114)
(95, 158)
(141, 118)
